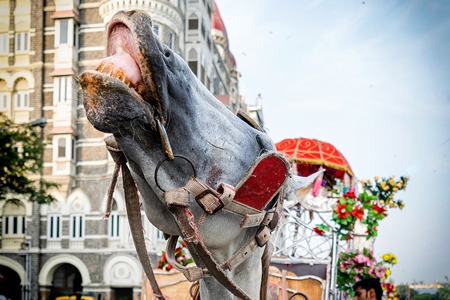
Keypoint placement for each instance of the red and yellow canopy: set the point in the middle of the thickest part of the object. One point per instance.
(314, 152)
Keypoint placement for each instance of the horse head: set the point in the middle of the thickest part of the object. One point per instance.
(168, 124)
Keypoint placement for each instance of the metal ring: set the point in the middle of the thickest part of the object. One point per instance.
(298, 294)
(167, 159)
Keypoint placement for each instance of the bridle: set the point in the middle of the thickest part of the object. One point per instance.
(226, 197)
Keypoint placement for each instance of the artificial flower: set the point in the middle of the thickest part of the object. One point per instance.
(180, 257)
(379, 209)
(358, 212)
(354, 265)
(350, 194)
(342, 211)
(318, 231)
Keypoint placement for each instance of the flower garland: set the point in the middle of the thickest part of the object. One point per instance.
(355, 265)
(369, 207)
(385, 189)
(180, 256)
(350, 208)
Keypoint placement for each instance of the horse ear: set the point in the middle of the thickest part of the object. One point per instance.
(298, 182)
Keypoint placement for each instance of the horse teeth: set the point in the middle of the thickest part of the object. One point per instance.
(108, 69)
(120, 74)
(100, 66)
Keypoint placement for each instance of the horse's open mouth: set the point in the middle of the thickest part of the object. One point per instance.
(122, 61)
(122, 86)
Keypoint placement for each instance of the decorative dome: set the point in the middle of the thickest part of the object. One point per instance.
(233, 60)
(218, 27)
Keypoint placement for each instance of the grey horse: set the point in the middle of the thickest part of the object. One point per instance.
(167, 124)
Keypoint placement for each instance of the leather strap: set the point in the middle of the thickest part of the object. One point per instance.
(209, 199)
(213, 200)
(133, 212)
(191, 236)
(192, 273)
(178, 202)
(261, 238)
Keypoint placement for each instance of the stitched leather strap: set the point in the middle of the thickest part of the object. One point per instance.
(212, 200)
(178, 202)
(259, 240)
(191, 236)
(134, 214)
(192, 273)
(209, 199)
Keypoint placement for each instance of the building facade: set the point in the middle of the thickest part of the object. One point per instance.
(68, 245)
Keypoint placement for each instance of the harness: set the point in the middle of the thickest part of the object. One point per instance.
(256, 199)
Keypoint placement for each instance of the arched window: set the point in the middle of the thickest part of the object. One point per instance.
(76, 226)
(13, 219)
(22, 42)
(79, 207)
(13, 223)
(54, 226)
(21, 101)
(21, 94)
(114, 223)
(5, 99)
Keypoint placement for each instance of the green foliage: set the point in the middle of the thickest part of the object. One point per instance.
(425, 296)
(21, 150)
(443, 293)
(403, 292)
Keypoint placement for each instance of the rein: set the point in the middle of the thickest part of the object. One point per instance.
(133, 211)
(224, 197)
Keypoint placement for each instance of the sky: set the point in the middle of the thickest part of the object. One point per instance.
(373, 79)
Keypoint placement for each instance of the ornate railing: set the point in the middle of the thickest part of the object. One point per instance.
(295, 240)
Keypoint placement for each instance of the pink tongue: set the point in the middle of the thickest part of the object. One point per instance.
(122, 60)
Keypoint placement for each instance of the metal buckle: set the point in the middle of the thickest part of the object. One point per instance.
(262, 236)
(210, 207)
